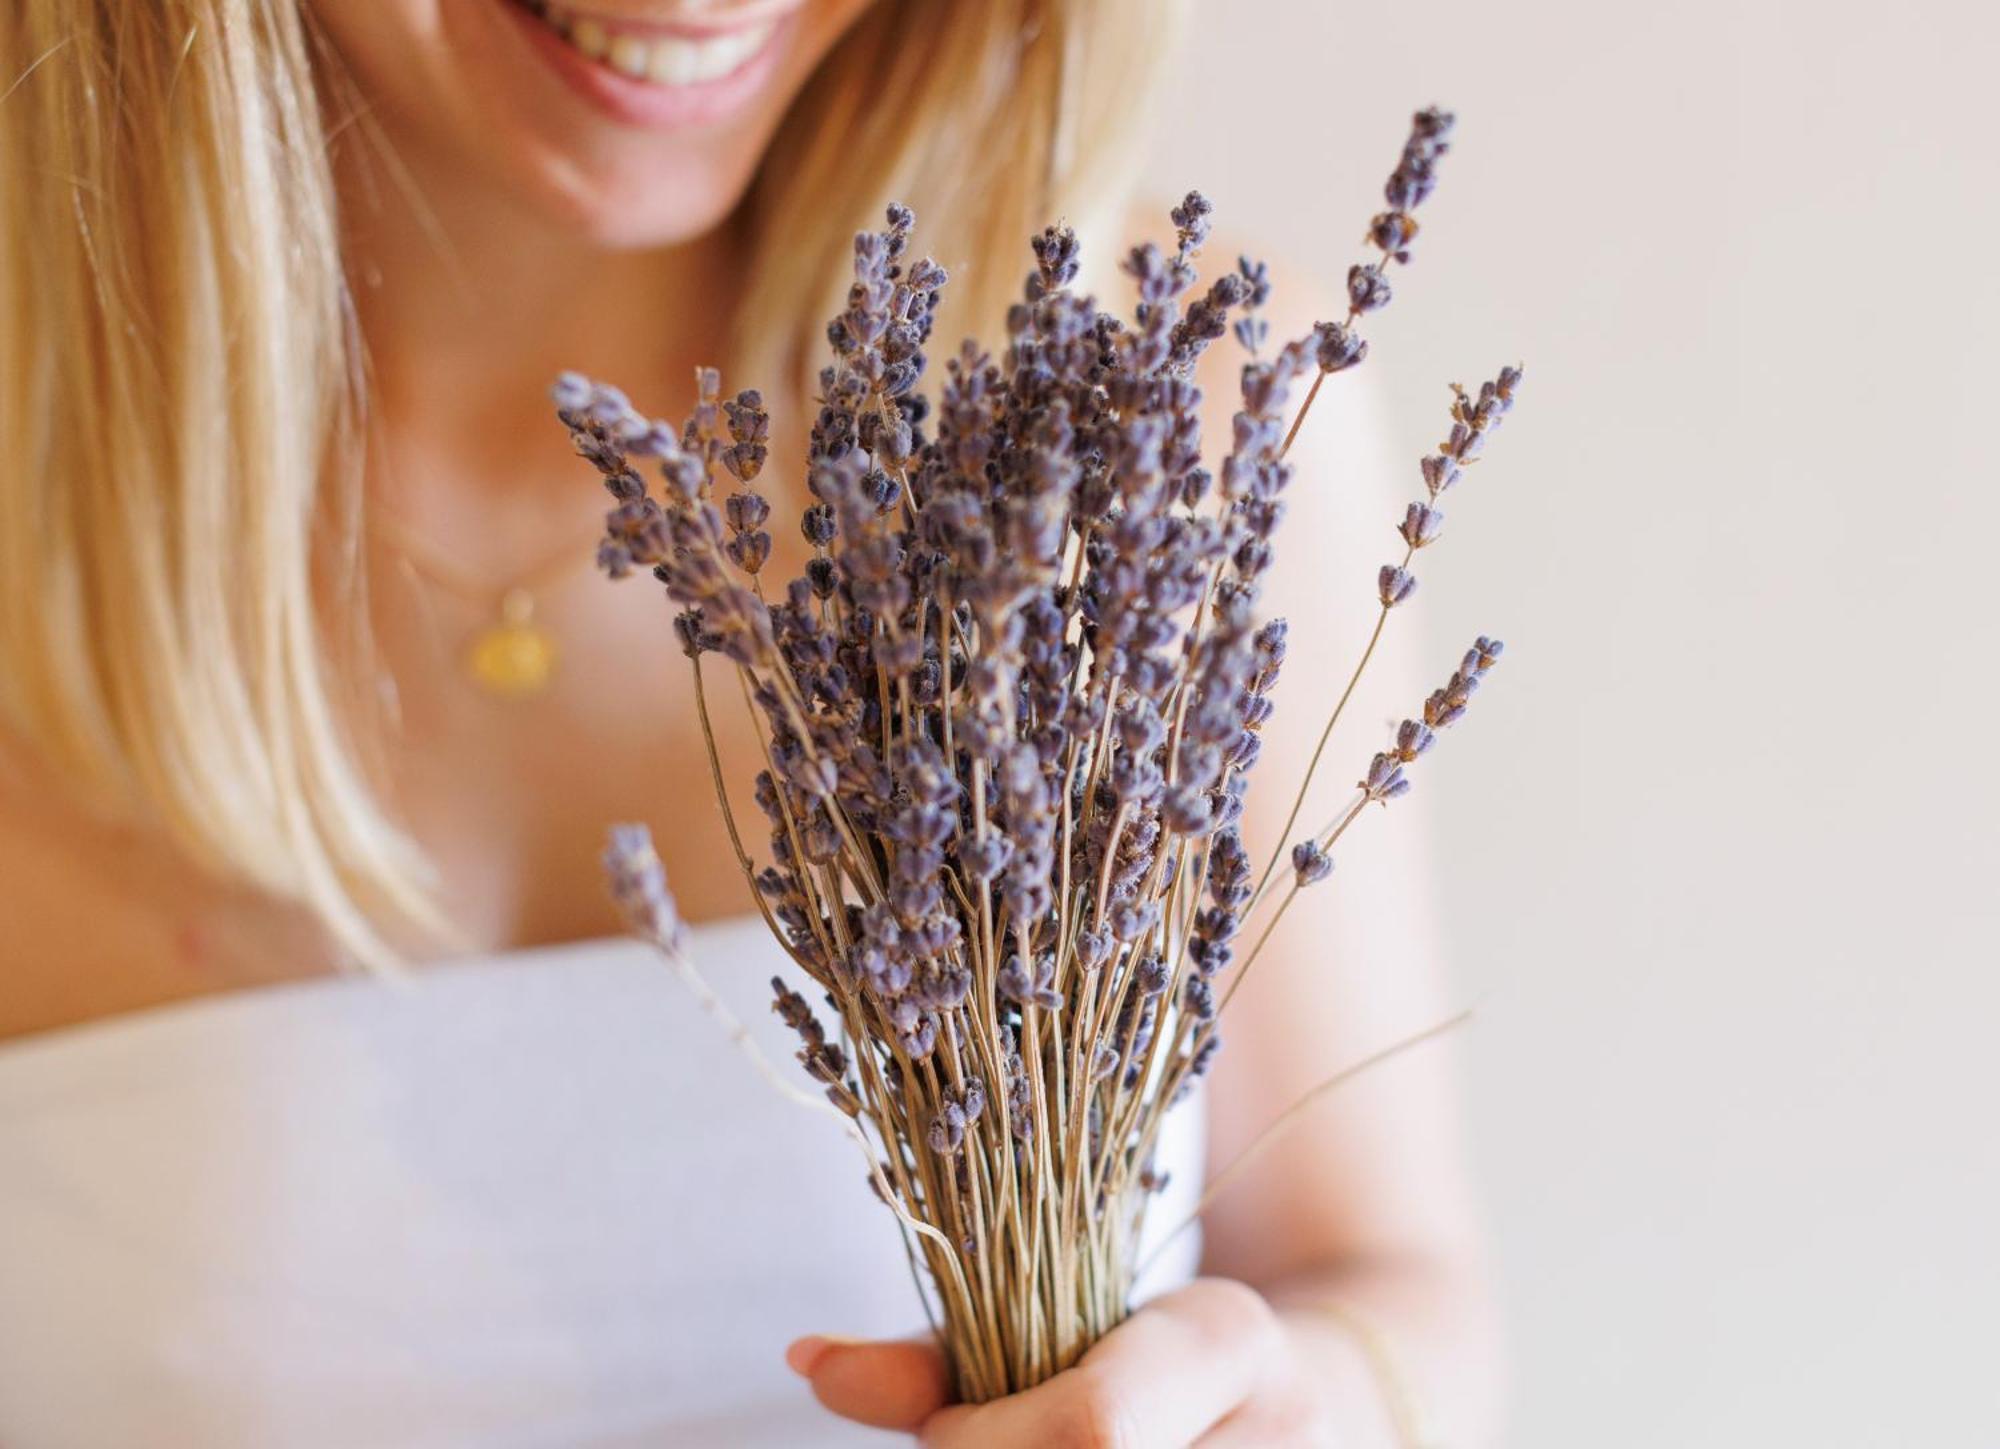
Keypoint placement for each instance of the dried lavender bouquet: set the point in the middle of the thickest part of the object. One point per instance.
(1009, 715)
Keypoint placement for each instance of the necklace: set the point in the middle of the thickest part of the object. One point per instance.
(512, 655)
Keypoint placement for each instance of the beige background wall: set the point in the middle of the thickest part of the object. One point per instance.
(1720, 868)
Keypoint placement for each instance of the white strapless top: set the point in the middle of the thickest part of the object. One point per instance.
(530, 1200)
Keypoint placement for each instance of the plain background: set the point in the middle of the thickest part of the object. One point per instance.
(1719, 862)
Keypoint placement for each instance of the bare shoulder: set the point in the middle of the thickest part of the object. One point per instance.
(98, 918)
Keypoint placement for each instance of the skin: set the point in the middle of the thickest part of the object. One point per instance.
(612, 249)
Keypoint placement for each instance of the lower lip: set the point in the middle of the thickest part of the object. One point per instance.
(640, 103)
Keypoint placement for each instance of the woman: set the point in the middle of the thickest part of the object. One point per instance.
(299, 670)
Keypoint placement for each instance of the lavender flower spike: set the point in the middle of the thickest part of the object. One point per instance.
(639, 886)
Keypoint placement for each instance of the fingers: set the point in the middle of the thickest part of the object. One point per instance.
(1286, 1419)
(1165, 1376)
(894, 1385)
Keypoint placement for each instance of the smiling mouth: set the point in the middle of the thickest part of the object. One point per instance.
(650, 55)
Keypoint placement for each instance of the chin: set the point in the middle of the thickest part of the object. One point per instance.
(617, 203)
(626, 123)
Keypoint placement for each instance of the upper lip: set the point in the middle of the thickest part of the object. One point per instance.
(682, 20)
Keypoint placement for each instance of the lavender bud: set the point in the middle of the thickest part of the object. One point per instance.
(745, 511)
(1433, 125)
(652, 440)
(683, 474)
(1024, 988)
(1198, 998)
(1394, 585)
(749, 551)
(1421, 524)
(608, 405)
(984, 859)
(1310, 863)
(1191, 220)
(1367, 289)
(918, 1043)
(1392, 232)
(1441, 710)
(1057, 259)
(1440, 473)
(687, 629)
(1339, 347)
(1385, 779)
(947, 1130)
(1130, 920)
(1187, 810)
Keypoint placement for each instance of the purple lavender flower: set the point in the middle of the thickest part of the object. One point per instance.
(1394, 585)
(1338, 347)
(639, 887)
(1367, 288)
(1310, 863)
(1421, 524)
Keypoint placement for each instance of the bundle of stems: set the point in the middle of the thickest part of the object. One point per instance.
(1008, 716)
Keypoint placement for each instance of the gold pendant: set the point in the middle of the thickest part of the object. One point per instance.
(514, 658)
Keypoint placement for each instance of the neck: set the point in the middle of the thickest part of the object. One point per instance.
(469, 305)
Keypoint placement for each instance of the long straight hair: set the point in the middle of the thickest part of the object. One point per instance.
(182, 621)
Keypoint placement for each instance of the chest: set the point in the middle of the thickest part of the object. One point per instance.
(512, 792)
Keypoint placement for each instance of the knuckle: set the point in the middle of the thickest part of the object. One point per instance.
(1096, 1418)
(1238, 1311)
(1295, 1419)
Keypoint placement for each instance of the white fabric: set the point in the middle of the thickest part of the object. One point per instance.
(524, 1202)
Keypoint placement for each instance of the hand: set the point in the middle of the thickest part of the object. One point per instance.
(1212, 1364)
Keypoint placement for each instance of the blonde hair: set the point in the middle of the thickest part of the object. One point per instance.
(178, 377)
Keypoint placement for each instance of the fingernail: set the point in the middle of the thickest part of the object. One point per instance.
(804, 1354)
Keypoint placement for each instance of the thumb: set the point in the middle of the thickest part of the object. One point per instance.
(893, 1385)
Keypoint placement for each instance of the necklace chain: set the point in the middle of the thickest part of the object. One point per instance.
(546, 570)
(512, 656)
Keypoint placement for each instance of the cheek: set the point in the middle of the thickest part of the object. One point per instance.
(394, 51)
(470, 97)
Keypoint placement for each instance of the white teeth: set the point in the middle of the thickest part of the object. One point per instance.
(628, 55)
(663, 60)
(671, 65)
